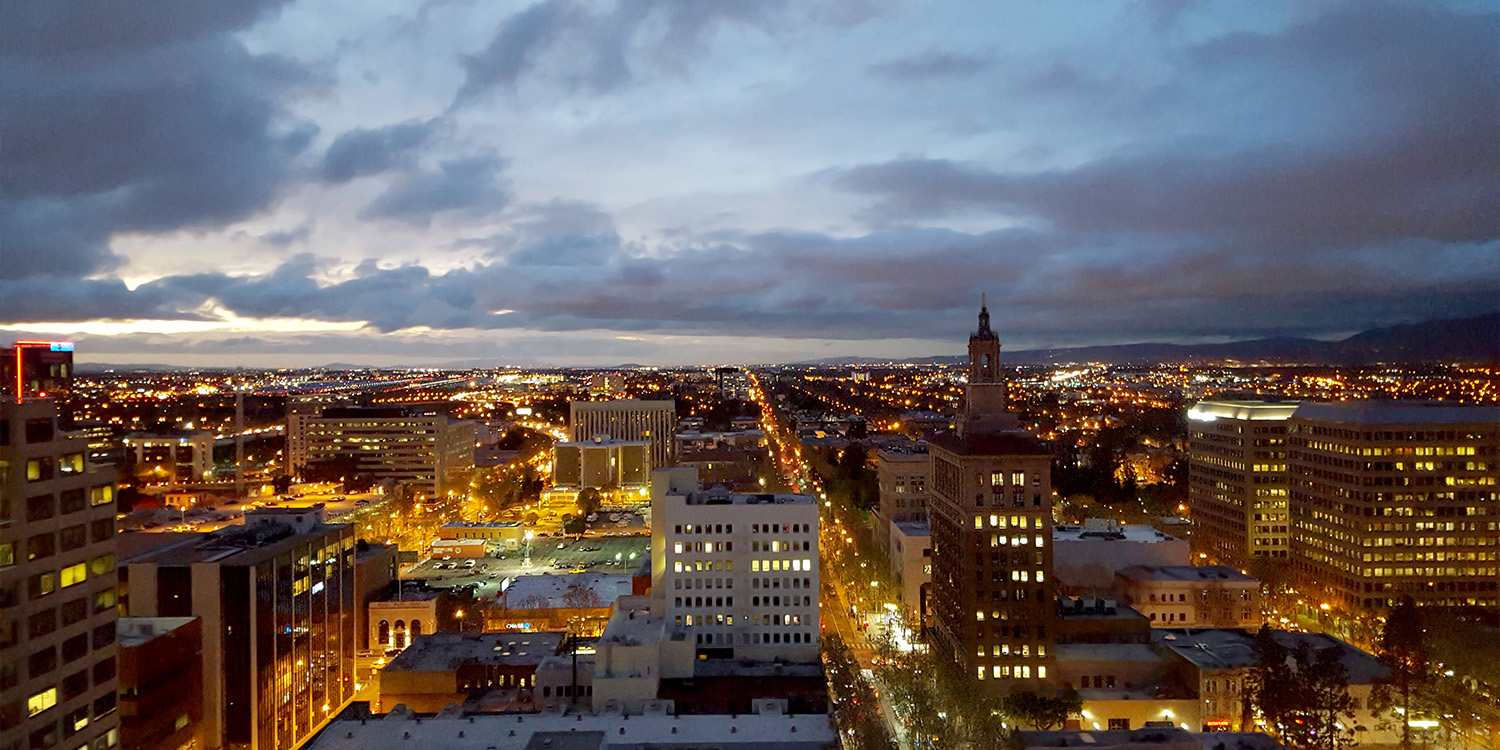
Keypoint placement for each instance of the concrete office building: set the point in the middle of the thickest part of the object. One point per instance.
(738, 572)
(910, 544)
(1393, 499)
(602, 463)
(277, 600)
(57, 586)
(161, 691)
(40, 369)
(1237, 479)
(1186, 596)
(1088, 555)
(628, 419)
(172, 459)
(990, 504)
(902, 475)
(429, 452)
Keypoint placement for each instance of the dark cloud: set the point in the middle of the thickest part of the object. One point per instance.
(362, 151)
(585, 49)
(288, 237)
(134, 118)
(472, 185)
(931, 64)
(1422, 163)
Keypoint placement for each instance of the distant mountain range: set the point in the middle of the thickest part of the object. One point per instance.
(1465, 340)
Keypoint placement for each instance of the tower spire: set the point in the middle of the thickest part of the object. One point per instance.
(984, 318)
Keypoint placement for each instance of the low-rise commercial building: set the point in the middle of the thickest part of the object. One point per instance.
(911, 565)
(1206, 596)
(438, 669)
(1088, 555)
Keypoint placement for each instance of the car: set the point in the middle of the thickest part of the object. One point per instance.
(560, 545)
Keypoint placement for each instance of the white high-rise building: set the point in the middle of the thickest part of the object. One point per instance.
(737, 572)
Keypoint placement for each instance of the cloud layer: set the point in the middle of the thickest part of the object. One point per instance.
(658, 179)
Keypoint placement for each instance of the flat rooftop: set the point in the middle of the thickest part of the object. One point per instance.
(135, 631)
(482, 525)
(447, 651)
(515, 731)
(1212, 410)
(1147, 737)
(1397, 413)
(1231, 648)
(710, 497)
(551, 591)
(1130, 533)
(991, 444)
(231, 545)
(1185, 573)
(914, 528)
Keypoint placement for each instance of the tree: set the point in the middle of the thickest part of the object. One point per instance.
(1407, 685)
(1041, 711)
(1303, 694)
(575, 526)
(589, 500)
(281, 484)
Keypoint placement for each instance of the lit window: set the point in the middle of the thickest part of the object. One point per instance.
(41, 701)
(74, 574)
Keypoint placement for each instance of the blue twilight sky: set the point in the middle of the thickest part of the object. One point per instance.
(257, 182)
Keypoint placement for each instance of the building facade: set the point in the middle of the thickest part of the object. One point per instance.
(1186, 596)
(902, 475)
(628, 419)
(1237, 479)
(602, 463)
(738, 572)
(1395, 499)
(161, 691)
(431, 453)
(277, 599)
(57, 586)
(990, 508)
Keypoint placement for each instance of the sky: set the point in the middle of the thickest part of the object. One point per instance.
(565, 182)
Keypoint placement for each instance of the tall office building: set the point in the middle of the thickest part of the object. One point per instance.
(1392, 499)
(430, 452)
(1237, 479)
(40, 369)
(737, 572)
(628, 419)
(277, 598)
(990, 505)
(57, 586)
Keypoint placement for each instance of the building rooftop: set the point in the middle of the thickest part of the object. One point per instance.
(1113, 533)
(755, 669)
(231, 545)
(914, 528)
(1398, 413)
(551, 591)
(721, 496)
(401, 731)
(482, 525)
(1095, 608)
(1185, 573)
(991, 444)
(447, 651)
(1230, 648)
(1213, 409)
(1112, 652)
(135, 631)
(567, 741)
(1152, 737)
(903, 453)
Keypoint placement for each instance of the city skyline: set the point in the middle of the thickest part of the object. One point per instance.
(566, 183)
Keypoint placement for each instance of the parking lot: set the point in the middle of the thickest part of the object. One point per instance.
(619, 555)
